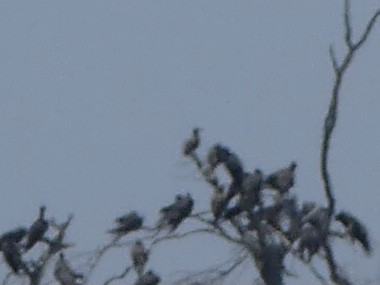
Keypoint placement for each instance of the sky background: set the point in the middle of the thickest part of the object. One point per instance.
(97, 97)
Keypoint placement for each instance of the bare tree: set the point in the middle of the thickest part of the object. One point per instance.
(256, 214)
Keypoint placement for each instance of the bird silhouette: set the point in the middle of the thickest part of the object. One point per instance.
(139, 256)
(37, 230)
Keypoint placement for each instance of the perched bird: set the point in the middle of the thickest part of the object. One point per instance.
(216, 155)
(282, 180)
(175, 213)
(310, 241)
(234, 168)
(251, 187)
(233, 211)
(149, 278)
(12, 256)
(234, 189)
(317, 217)
(127, 223)
(218, 203)
(355, 229)
(64, 274)
(192, 143)
(139, 256)
(15, 235)
(37, 230)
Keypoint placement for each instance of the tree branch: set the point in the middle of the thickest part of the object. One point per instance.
(118, 277)
(331, 116)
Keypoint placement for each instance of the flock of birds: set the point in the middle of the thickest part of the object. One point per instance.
(307, 225)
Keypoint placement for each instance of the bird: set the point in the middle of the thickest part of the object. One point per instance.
(176, 212)
(218, 203)
(64, 274)
(217, 154)
(149, 278)
(127, 223)
(192, 143)
(310, 240)
(37, 230)
(15, 235)
(139, 256)
(282, 180)
(234, 168)
(317, 217)
(355, 229)
(12, 256)
(251, 187)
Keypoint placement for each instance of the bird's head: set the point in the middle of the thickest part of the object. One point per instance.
(293, 165)
(196, 131)
(42, 211)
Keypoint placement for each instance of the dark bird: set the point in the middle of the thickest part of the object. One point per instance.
(127, 223)
(282, 180)
(37, 230)
(355, 229)
(218, 203)
(139, 256)
(12, 256)
(234, 168)
(251, 187)
(149, 278)
(15, 235)
(216, 155)
(310, 241)
(64, 274)
(317, 217)
(192, 143)
(176, 212)
(233, 211)
(234, 189)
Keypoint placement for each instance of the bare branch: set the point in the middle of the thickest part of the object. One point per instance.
(317, 275)
(331, 116)
(215, 273)
(333, 59)
(118, 277)
(367, 30)
(99, 253)
(335, 276)
(347, 24)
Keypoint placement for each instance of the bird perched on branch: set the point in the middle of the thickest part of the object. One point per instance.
(282, 180)
(355, 229)
(317, 217)
(127, 223)
(37, 230)
(235, 168)
(64, 274)
(251, 187)
(310, 241)
(218, 203)
(12, 256)
(15, 235)
(149, 278)
(192, 143)
(217, 154)
(139, 256)
(176, 212)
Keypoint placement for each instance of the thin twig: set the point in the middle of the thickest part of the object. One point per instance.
(118, 277)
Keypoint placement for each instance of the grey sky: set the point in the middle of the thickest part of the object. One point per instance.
(96, 98)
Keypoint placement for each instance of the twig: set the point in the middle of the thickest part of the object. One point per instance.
(331, 116)
(118, 277)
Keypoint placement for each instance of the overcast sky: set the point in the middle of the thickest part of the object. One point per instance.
(96, 98)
